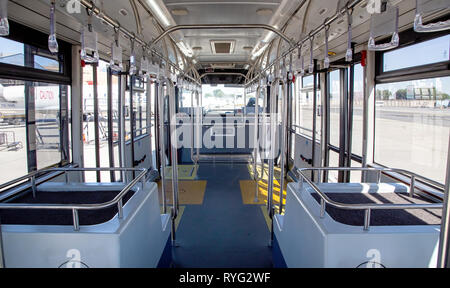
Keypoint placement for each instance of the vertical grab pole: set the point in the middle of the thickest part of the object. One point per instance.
(350, 108)
(96, 123)
(326, 124)
(198, 120)
(173, 90)
(2, 251)
(148, 117)
(122, 126)
(255, 136)
(366, 125)
(110, 126)
(273, 141)
(132, 124)
(162, 143)
(283, 143)
(289, 108)
(192, 115)
(314, 133)
(443, 261)
(273, 128)
(263, 129)
(256, 143)
(157, 130)
(343, 125)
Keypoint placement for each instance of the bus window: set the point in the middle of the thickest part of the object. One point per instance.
(412, 126)
(13, 138)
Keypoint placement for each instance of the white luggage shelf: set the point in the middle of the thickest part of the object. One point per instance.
(314, 233)
(133, 236)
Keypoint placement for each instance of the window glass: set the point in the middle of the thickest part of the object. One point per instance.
(356, 176)
(185, 99)
(13, 139)
(13, 53)
(219, 99)
(335, 105)
(412, 126)
(69, 113)
(333, 176)
(127, 116)
(115, 104)
(306, 103)
(358, 109)
(428, 52)
(140, 107)
(306, 108)
(33, 115)
(319, 113)
(102, 78)
(48, 128)
(88, 123)
(46, 64)
(152, 122)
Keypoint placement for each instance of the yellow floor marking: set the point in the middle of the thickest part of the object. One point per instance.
(265, 176)
(266, 217)
(185, 172)
(190, 192)
(248, 191)
(180, 215)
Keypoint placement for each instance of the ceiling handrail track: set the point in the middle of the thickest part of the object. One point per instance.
(223, 26)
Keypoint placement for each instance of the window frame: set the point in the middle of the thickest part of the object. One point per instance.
(29, 36)
(344, 69)
(409, 38)
(36, 39)
(137, 133)
(429, 71)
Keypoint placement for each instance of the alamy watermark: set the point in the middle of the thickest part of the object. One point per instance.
(74, 260)
(73, 7)
(374, 6)
(374, 260)
(227, 132)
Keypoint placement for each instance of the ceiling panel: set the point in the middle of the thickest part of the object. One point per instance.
(222, 12)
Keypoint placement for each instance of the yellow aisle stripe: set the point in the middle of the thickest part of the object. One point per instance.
(266, 217)
(248, 192)
(190, 192)
(185, 172)
(180, 215)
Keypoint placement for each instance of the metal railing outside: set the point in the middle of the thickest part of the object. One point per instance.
(325, 200)
(118, 200)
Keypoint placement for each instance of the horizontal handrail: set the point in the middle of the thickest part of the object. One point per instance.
(75, 208)
(62, 169)
(325, 200)
(302, 128)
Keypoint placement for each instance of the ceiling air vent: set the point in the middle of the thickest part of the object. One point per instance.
(222, 47)
(223, 65)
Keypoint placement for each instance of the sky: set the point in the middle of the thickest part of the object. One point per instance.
(10, 47)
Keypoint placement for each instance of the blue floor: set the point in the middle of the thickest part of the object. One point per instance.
(223, 232)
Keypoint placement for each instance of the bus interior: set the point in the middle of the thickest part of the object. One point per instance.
(224, 134)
